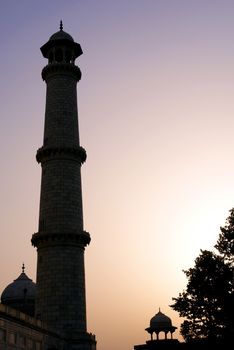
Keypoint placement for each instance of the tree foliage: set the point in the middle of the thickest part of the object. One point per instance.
(225, 243)
(207, 304)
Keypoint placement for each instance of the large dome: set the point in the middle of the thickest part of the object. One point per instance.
(160, 321)
(20, 294)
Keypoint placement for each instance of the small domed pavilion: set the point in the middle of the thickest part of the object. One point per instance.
(160, 323)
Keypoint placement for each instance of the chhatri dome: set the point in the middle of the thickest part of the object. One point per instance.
(61, 48)
(20, 294)
(61, 35)
(160, 323)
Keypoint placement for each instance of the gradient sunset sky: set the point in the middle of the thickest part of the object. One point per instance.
(156, 116)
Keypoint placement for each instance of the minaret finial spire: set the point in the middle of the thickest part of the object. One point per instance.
(23, 268)
(61, 25)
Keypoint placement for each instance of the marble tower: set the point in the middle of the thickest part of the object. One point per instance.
(61, 239)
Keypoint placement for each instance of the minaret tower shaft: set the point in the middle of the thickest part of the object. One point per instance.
(61, 239)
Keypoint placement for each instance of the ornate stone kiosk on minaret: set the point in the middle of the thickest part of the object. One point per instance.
(61, 239)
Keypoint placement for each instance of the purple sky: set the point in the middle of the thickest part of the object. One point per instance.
(156, 117)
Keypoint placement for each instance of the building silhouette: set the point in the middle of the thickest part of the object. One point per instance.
(58, 320)
(160, 323)
(51, 314)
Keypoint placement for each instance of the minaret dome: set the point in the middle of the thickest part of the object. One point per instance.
(61, 48)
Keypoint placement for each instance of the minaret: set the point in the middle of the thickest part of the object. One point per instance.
(61, 239)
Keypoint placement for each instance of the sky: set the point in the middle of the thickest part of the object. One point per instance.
(156, 117)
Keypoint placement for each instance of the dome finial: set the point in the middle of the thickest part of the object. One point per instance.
(23, 268)
(159, 309)
(61, 25)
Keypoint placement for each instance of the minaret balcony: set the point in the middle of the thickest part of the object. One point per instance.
(50, 153)
(80, 239)
(56, 68)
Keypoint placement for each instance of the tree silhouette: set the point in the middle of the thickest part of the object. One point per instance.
(225, 243)
(207, 304)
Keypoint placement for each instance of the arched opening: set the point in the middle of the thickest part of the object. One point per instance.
(51, 57)
(67, 56)
(58, 55)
